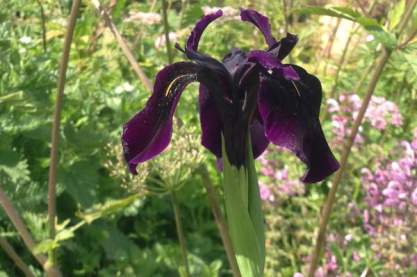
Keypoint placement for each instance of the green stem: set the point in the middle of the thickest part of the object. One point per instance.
(56, 124)
(180, 232)
(166, 30)
(220, 221)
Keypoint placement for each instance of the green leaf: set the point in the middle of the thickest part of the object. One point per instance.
(242, 231)
(369, 24)
(108, 208)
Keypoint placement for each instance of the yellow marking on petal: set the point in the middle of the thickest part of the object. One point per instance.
(298, 92)
(167, 91)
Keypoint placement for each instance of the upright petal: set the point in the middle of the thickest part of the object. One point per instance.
(194, 38)
(260, 21)
(149, 132)
(284, 46)
(290, 110)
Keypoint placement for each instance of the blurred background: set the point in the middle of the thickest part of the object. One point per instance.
(116, 224)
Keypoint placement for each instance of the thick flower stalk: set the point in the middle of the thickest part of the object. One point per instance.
(245, 101)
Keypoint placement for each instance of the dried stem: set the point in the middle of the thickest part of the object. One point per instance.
(8, 248)
(180, 233)
(21, 228)
(412, 35)
(328, 205)
(166, 31)
(43, 22)
(123, 45)
(220, 220)
(56, 124)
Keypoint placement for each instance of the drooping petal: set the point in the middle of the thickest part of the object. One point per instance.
(149, 132)
(284, 46)
(290, 110)
(260, 21)
(194, 38)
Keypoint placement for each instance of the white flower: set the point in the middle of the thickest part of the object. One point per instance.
(370, 38)
(25, 40)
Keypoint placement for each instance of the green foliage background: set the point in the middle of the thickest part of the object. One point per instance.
(125, 230)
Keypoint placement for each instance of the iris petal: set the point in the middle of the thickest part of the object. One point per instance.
(260, 21)
(194, 39)
(211, 122)
(284, 46)
(290, 110)
(149, 132)
(269, 62)
(258, 138)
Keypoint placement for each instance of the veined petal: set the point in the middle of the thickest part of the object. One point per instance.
(194, 38)
(149, 132)
(290, 110)
(260, 21)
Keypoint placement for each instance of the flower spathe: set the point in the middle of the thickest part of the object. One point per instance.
(248, 92)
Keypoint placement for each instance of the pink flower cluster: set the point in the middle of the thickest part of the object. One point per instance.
(380, 114)
(391, 214)
(277, 185)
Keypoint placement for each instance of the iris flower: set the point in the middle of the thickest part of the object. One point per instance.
(247, 93)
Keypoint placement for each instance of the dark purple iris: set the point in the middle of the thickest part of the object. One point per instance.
(248, 93)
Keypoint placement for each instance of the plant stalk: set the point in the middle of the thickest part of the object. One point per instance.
(180, 232)
(8, 248)
(166, 31)
(328, 205)
(123, 45)
(220, 220)
(22, 230)
(56, 124)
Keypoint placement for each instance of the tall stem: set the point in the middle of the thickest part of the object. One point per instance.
(328, 205)
(166, 30)
(220, 220)
(56, 124)
(8, 248)
(180, 232)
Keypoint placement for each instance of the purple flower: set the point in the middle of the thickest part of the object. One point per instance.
(251, 92)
